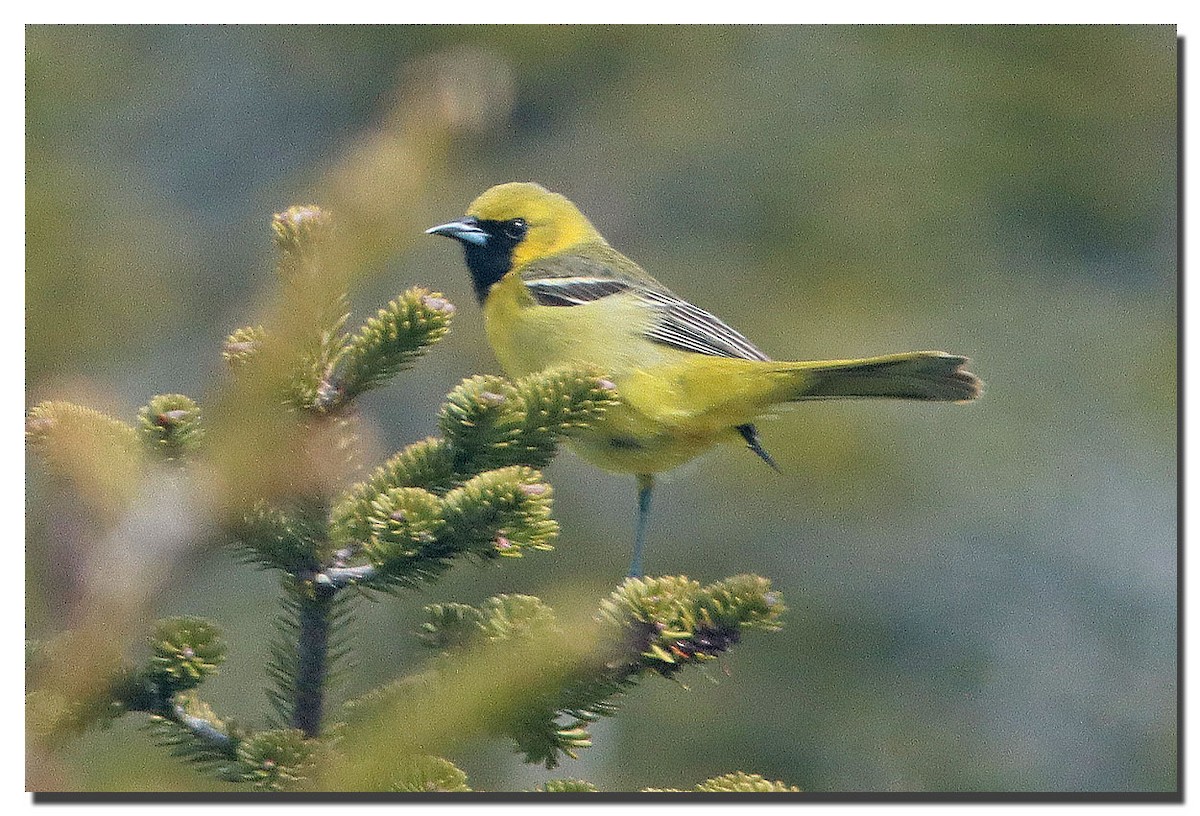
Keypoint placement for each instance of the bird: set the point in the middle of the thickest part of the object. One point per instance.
(554, 293)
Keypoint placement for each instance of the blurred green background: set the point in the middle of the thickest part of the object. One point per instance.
(981, 598)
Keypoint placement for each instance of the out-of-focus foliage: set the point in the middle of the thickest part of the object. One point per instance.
(514, 668)
(983, 598)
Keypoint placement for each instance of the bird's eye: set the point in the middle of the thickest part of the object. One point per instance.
(516, 228)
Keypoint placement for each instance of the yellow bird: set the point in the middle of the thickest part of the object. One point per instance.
(554, 292)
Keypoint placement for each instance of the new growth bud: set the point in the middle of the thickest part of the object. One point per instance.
(298, 229)
(186, 650)
(170, 426)
(438, 303)
(243, 344)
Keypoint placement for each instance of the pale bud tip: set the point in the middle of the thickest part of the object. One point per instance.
(438, 304)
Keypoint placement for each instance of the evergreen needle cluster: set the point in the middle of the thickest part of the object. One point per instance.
(647, 626)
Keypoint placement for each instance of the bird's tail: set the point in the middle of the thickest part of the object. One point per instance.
(916, 375)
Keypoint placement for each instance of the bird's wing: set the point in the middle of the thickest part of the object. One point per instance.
(677, 323)
(574, 291)
(688, 327)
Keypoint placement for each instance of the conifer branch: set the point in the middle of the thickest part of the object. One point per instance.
(488, 424)
(205, 730)
(414, 535)
(742, 782)
(429, 774)
(341, 577)
(492, 423)
(186, 651)
(291, 539)
(272, 760)
(391, 340)
(189, 729)
(101, 457)
(283, 655)
(566, 786)
(170, 427)
(649, 626)
(312, 658)
(243, 344)
(736, 782)
(427, 465)
(315, 293)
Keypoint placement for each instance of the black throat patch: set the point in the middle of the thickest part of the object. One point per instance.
(491, 261)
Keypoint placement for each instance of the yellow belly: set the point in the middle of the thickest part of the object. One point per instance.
(674, 404)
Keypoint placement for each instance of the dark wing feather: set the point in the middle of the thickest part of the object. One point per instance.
(572, 280)
(573, 291)
(688, 327)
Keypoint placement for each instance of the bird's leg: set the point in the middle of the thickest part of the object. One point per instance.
(645, 485)
(750, 434)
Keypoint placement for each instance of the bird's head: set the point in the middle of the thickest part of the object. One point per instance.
(513, 224)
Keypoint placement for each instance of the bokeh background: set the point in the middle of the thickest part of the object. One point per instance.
(981, 598)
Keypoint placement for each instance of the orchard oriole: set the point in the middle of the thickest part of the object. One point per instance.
(554, 292)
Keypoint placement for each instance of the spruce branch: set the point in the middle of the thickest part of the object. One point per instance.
(566, 786)
(488, 423)
(307, 652)
(189, 729)
(455, 626)
(404, 523)
(101, 457)
(267, 760)
(736, 782)
(480, 417)
(558, 403)
(312, 659)
(501, 512)
(415, 535)
(170, 426)
(243, 344)
(272, 760)
(427, 464)
(451, 626)
(311, 386)
(491, 423)
(391, 340)
(54, 718)
(301, 234)
(317, 296)
(428, 774)
(185, 651)
(742, 782)
(361, 576)
(474, 492)
(49, 422)
(282, 655)
(199, 720)
(648, 626)
(292, 539)
(515, 617)
(56, 710)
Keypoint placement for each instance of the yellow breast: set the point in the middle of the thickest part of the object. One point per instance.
(528, 337)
